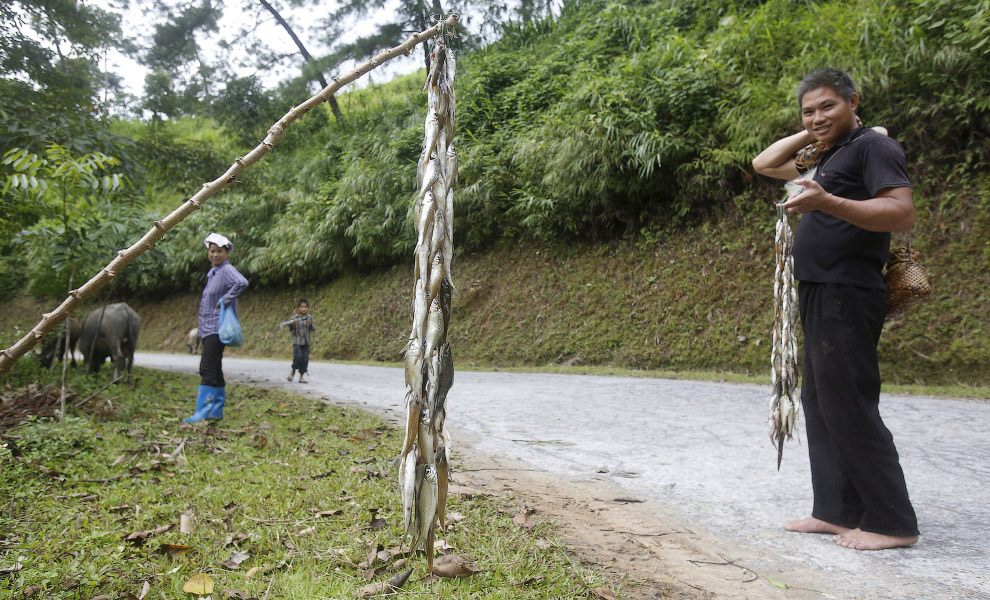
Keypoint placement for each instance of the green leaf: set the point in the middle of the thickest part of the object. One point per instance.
(779, 584)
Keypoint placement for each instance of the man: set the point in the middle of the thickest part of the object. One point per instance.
(859, 193)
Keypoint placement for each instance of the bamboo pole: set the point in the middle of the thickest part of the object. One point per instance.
(275, 134)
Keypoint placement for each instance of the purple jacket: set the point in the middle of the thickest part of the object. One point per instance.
(222, 283)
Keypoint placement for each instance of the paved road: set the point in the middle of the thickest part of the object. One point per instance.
(701, 450)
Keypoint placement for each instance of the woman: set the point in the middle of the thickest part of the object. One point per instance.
(223, 283)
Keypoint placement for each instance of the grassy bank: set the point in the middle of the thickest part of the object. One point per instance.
(286, 498)
(687, 301)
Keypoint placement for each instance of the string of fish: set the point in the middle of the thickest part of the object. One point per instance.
(784, 374)
(423, 462)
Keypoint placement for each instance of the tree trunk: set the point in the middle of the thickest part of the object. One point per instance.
(305, 54)
(124, 257)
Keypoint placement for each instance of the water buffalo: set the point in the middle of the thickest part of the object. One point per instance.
(53, 348)
(117, 339)
(193, 341)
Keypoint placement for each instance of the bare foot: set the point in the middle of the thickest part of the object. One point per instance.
(857, 539)
(813, 525)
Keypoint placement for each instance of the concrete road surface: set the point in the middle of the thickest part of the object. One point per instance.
(701, 450)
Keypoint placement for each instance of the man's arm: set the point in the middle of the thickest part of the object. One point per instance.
(891, 210)
(777, 160)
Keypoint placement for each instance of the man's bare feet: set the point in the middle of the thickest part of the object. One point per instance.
(857, 539)
(813, 525)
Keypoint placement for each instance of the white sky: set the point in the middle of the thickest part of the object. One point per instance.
(138, 25)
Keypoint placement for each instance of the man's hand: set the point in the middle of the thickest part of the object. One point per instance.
(891, 210)
(814, 197)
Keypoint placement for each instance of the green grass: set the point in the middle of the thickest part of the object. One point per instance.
(256, 483)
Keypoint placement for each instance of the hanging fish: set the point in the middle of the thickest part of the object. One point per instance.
(426, 506)
(407, 475)
(437, 271)
(446, 369)
(414, 406)
(434, 327)
(420, 306)
(442, 482)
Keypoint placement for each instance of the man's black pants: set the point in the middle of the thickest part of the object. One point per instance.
(211, 362)
(855, 471)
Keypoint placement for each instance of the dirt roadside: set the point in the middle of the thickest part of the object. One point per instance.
(642, 552)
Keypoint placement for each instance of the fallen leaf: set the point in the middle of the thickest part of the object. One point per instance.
(329, 513)
(200, 583)
(139, 537)
(603, 594)
(345, 498)
(372, 556)
(399, 579)
(173, 550)
(144, 590)
(370, 574)
(322, 475)
(306, 531)
(120, 508)
(454, 566)
(32, 590)
(779, 584)
(384, 587)
(534, 579)
(454, 517)
(262, 442)
(231, 593)
(522, 519)
(236, 558)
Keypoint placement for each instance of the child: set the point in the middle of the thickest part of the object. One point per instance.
(301, 326)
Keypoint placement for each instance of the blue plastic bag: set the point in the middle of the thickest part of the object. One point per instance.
(230, 328)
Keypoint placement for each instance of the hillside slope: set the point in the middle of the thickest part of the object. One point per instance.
(696, 299)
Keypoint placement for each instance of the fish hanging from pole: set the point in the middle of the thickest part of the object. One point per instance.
(423, 461)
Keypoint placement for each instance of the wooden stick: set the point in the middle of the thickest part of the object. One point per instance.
(275, 134)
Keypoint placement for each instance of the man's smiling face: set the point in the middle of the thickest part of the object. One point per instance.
(827, 116)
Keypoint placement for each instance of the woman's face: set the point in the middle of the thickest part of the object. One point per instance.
(217, 255)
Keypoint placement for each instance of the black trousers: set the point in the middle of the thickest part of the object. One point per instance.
(855, 471)
(211, 362)
(300, 358)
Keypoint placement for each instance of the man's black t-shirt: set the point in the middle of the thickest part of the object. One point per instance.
(830, 250)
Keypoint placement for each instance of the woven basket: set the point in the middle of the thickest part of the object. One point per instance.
(907, 281)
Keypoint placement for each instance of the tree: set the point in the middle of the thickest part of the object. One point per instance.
(82, 212)
(50, 80)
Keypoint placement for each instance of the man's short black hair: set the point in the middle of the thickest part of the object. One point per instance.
(301, 302)
(838, 81)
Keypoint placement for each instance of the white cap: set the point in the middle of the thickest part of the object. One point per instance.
(219, 240)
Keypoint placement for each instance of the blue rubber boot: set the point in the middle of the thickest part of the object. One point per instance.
(216, 407)
(204, 402)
